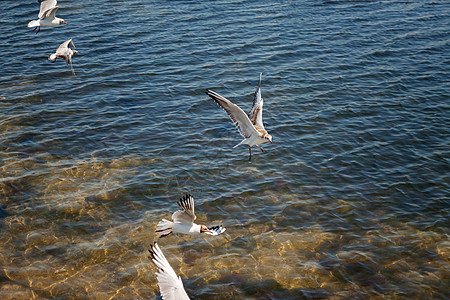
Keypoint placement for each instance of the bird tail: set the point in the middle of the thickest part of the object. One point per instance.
(240, 143)
(33, 23)
(52, 57)
(164, 228)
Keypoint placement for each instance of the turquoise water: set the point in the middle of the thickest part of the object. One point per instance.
(350, 201)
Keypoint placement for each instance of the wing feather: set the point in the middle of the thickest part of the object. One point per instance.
(236, 114)
(170, 285)
(186, 215)
(45, 6)
(65, 46)
(50, 14)
(255, 114)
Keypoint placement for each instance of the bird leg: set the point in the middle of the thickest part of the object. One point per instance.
(35, 28)
(38, 29)
(262, 150)
(250, 150)
(54, 60)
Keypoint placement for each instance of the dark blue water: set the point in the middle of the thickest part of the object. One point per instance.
(350, 201)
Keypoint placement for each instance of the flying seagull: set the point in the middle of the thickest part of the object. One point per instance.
(63, 51)
(170, 285)
(251, 127)
(183, 221)
(46, 15)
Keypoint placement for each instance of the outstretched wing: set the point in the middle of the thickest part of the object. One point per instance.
(236, 114)
(45, 6)
(186, 215)
(65, 46)
(71, 67)
(50, 14)
(255, 114)
(216, 230)
(170, 285)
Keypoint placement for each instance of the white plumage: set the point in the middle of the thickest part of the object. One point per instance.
(64, 52)
(47, 15)
(170, 285)
(250, 126)
(183, 221)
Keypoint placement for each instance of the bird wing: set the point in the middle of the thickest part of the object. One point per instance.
(255, 114)
(65, 46)
(236, 114)
(170, 285)
(50, 14)
(186, 215)
(71, 67)
(45, 6)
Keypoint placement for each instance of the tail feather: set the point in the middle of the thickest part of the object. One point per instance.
(52, 57)
(164, 228)
(33, 23)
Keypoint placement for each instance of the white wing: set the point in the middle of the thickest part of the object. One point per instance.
(170, 285)
(65, 46)
(45, 6)
(50, 14)
(236, 114)
(255, 114)
(216, 230)
(71, 67)
(186, 215)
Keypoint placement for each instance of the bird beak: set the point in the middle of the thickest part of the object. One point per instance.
(65, 22)
(270, 141)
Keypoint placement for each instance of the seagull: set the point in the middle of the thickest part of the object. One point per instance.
(170, 285)
(251, 127)
(63, 51)
(183, 221)
(47, 15)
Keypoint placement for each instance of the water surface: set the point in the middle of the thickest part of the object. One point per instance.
(350, 201)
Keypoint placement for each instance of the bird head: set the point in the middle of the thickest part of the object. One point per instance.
(61, 21)
(75, 51)
(268, 137)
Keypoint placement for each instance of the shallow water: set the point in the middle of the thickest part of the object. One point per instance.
(350, 201)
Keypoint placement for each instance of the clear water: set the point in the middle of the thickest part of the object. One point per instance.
(350, 201)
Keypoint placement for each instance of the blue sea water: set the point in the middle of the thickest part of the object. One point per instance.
(350, 201)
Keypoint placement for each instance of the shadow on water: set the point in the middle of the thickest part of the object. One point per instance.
(3, 213)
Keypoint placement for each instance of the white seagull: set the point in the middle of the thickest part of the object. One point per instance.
(183, 221)
(170, 285)
(251, 127)
(64, 52)
(47, 15)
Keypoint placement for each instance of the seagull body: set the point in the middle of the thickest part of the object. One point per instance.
(183, 221)
(47, 16)
(64, 52)
(170, 285)
(250, 126)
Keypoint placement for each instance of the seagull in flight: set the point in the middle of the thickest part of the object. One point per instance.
(183, 221)
(47, 15)
(250, 126)
(170, 285)
(64, 52)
